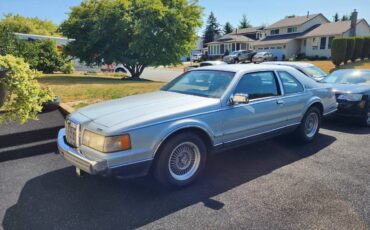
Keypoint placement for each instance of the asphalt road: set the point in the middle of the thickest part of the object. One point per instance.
(275, 184)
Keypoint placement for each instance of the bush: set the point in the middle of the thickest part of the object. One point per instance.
(350, 49)
(25, 96)
(366, 49)
(338, 50)
(68, 68)
(359, 45)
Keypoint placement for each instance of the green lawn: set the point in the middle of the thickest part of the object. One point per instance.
(328, 66)
(80, 90)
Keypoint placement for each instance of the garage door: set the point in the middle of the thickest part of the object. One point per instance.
(277, 52)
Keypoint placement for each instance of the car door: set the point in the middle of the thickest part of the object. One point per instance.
(294, 98)
(261, 115)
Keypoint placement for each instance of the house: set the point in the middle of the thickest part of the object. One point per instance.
(311, 35)
(282, 37)
(239, 39)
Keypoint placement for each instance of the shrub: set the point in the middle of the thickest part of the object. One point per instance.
(25, 96)
(338, 50)
(350, 49)
(359, 45)
(68, 68)
(366, 49)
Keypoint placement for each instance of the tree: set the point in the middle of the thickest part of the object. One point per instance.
(20, 24)
(345, 18)
(228, 28)
(212, 29)
(136, 33)
(336, 17)
(244, 23)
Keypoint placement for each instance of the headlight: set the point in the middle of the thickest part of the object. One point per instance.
(106, 144)
(350, 97)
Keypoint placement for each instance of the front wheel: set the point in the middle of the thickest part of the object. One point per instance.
(181, 160)
(310, 125)
(366, 119)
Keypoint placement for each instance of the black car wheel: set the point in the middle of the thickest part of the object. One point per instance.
(310, 125)
(181, 160)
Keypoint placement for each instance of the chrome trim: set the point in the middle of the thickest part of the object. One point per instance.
(242, 138)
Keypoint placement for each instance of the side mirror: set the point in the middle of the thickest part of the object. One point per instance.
(239, 99)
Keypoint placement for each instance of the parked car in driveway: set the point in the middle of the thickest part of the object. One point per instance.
(306, 68)
(203, 64)
(239, 56)
(352, 89)
(263, 56)
(171, 132)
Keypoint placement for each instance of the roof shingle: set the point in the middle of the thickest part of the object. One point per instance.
(296, 21)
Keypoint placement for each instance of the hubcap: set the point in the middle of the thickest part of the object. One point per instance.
(184, 161)
(311, 124)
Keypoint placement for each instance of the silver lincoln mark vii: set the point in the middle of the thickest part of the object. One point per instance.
(172, 132)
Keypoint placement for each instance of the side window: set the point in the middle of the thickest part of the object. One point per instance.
(258, 85)
(290, 84)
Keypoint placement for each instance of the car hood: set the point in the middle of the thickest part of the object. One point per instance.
(349, 88)
(145, 109)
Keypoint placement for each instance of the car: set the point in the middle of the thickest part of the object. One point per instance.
(171, 132)
(239, 56)
(352, 89)
(196, 57)
(204, 63)
(263, 56)
(306, 68)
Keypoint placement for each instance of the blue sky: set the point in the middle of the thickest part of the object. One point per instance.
(258, 11)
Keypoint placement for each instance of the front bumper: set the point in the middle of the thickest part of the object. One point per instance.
(79, 160)
(352, 109)
(100, 167)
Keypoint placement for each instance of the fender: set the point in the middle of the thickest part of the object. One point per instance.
(184, 124)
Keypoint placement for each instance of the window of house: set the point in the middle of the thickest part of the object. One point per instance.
(266, 48)
(279, 47)
(258, 85)
(292, 29)
(275, 32)
(322, 43)
(330, 42)
(305, 42)
(272, 48)
(290, 84)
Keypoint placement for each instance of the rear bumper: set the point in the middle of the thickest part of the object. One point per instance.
(100, 167)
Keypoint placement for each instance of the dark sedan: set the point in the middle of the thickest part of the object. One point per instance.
(352, 89)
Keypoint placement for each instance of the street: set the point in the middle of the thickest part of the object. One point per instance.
(275, 184)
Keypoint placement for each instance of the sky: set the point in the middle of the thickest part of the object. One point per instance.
(257, 11)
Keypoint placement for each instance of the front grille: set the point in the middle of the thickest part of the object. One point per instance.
(72, 133)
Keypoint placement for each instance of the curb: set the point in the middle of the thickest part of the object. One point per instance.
(65, 109)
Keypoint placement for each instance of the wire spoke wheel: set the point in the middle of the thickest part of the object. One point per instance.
(184, 161)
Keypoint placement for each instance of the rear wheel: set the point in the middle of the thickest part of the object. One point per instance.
(310, 125)
(181, 160)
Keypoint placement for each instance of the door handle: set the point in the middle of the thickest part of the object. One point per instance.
(280, 102)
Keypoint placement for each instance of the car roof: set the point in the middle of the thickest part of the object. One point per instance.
(351, 70)
(243, 67)
(288, 63)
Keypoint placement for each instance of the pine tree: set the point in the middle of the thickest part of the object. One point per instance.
(212, 29)
(345, 18)
(244, 23)
(336, 17)
(228, 28)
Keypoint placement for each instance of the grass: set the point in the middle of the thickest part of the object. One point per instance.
(328, 66)
(78, 90)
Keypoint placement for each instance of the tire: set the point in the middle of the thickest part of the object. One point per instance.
(181, 160)
(366, 120)
(309, 128)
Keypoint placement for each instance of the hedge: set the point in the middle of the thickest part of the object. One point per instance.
(338, 50)
(359, 45)
(350, 49)
(366, 49)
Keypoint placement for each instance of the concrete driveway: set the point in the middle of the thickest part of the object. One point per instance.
(160, 74)
(275, 184)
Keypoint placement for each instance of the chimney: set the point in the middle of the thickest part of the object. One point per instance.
(308, 14)
(352, 30)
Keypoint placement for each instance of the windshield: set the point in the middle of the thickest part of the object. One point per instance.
(315, 72)
(235, 53)
(356, 77)
(205, 83)
(260, 54)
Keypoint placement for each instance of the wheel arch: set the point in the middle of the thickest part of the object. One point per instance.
(317, 104)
